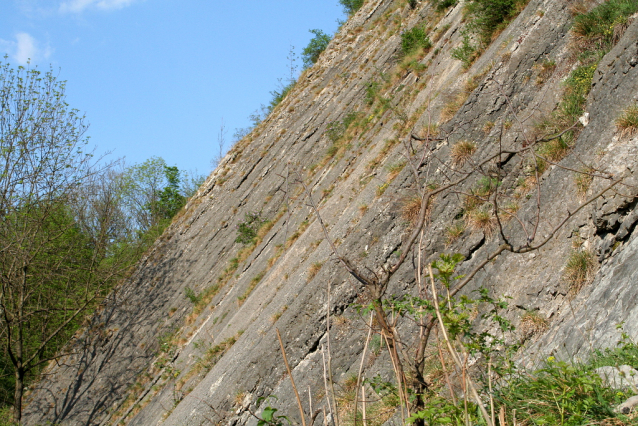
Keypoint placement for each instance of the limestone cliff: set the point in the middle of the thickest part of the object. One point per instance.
(365, 131)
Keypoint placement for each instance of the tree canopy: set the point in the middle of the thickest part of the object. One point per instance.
(71, 225)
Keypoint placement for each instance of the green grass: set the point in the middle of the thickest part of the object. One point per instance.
(413, 39)
(599, 26)
(558, 393)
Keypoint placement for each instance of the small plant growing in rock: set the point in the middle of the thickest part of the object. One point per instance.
(579, 270)
(461, 152)
(583, 181)
(247, 230)
(454, 232)
(413, 39)
(532, 324)
(411, 208)
(627, 123)
(482, 220)
(314, 270)
(465, 53)
(192, 296)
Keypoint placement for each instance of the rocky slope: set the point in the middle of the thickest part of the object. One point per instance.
(190, 338)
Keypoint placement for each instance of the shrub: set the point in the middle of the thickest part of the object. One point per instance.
(247, 230)
(441, 5)
(559, 394)
(317, 44)
(489, 16)
(413, 39)
(278, 96)
(466, 53)
(351, 6)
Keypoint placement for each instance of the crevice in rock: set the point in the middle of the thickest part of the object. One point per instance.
(243, 179)
(476, 247)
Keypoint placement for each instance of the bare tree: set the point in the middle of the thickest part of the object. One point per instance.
(221, 142)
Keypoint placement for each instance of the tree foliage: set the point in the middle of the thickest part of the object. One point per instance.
(50, 272)
(71, 225)
(317, 44)
(351, 6)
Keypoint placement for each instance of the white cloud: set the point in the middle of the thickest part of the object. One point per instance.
(77, 6)
(25, 48)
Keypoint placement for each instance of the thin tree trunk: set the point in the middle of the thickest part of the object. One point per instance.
(17, 395)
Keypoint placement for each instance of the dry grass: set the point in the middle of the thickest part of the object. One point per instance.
(278, 314)
(410, 209)
(313, 270)
(583, 181)
(580, 270)
(532, 324)
(395, 169)
(454, 232)
(253, 284)
(461, 152)
(554, 150)
(487, 127)
(452, 107)
(627, 123)
(482, 220)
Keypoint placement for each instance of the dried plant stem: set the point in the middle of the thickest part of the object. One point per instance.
(294, 387)
(363, 402)
(363, 358)
(402, 398)
(310, 399)
(330, 381)
(325, 384)
(489, 383)
(445, 372)
(454, 354)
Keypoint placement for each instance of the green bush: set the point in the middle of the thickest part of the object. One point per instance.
(599, 24)
(466, 53)
(247, 230)
(413, 39)
(489, 16)
(441, 5)
(278, 96)
(559, 394)
(351, 6)
(318, 44)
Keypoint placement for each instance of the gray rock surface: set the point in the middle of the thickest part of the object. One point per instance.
(147, 358)
(628, 406)
(623, 377)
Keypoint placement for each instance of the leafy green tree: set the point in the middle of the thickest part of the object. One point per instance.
(317, 44)
(51, 272)
(170, 199)
(351, 6)
(153, 193)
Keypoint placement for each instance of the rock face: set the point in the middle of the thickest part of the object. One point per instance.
(154, 356)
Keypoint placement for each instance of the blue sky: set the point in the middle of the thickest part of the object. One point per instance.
(156, 77)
